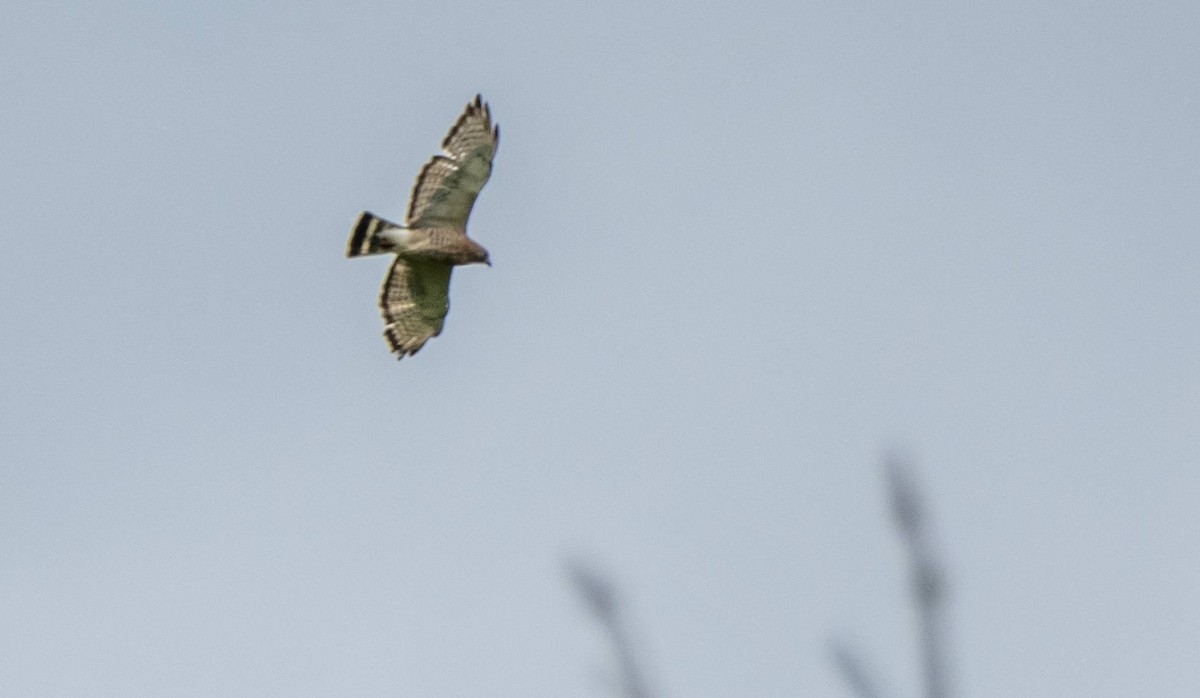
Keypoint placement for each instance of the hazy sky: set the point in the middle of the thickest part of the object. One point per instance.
(740, 251)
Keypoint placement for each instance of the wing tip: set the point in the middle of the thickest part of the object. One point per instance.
(398, 346)
(476, 107)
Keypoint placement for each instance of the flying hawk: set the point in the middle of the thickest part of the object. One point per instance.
(433, 240)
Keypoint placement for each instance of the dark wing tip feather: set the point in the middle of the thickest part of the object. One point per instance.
(394, 343)
(399, 346)
(475, 108)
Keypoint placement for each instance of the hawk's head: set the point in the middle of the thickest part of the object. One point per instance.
(477, 255)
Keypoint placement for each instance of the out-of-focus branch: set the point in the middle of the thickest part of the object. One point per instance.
(601, 599)
(928, 578)
(928, 590)
(853, 671)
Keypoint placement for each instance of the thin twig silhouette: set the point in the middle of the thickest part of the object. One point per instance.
(853, 672)
(601, 599)
(928, 579)
(928, 582)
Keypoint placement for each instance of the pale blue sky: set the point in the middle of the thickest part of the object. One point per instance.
(739, 252)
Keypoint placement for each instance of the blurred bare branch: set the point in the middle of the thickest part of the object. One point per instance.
(928, 589)
(854, 671)
(601, 599)
(928, 577)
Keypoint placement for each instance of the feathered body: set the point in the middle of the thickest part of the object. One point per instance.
(415, 295)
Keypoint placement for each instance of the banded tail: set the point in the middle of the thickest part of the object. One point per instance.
(366, 238)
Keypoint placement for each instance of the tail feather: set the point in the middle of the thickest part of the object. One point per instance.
(366, 239)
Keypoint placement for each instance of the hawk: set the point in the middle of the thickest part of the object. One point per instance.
(433, 240)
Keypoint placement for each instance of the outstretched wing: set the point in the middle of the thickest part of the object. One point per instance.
(414, 301)
(448, 184)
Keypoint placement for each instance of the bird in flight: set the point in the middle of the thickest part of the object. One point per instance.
(433, 240)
